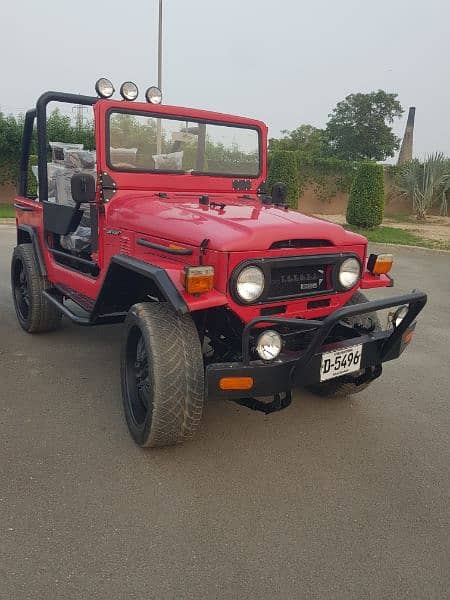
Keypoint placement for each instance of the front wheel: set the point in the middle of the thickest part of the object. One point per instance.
(341, 386)
(162, 375)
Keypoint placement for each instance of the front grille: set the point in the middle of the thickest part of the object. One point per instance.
(297, 280)
(295, 276)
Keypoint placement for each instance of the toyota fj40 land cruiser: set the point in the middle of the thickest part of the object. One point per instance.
(224, 291)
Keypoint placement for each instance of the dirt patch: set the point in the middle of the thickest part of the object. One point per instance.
(435, 228)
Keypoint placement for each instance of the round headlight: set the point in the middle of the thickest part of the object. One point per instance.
(349, 273)
(129, 90)
(250, 284)
(399, 315)
(104, 88)
(153, 95)
(269, 345)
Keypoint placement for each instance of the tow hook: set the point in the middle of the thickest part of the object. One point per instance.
(279, 402)
(369, 374)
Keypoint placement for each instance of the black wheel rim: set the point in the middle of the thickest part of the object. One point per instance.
(138, 379)
(21, 290)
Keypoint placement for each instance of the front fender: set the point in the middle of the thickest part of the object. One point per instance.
(130, 280)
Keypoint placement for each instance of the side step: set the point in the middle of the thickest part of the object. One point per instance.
(85, 302)
(87, 321)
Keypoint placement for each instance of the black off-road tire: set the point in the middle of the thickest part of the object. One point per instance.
(162, 375)
(340, 387)
(34, 312)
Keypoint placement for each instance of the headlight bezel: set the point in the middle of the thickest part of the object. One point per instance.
(235, 280)
(337, 274)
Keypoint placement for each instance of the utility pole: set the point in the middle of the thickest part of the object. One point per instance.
(158, 122)
(78, 109)
(160, 44)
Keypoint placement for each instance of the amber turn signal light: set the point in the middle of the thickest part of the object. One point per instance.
(236, 383)
(380, 264)
(198, 280)
(408, 336)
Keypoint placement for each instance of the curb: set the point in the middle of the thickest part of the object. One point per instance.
(442, 250)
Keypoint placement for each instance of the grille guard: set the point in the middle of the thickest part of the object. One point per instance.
(283, 374)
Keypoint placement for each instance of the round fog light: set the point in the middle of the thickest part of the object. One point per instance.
(153, 95)
(104, 88)
(399, 315)
(269, 345)
(129, 90)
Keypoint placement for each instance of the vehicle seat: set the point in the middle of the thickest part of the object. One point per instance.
(75, 161)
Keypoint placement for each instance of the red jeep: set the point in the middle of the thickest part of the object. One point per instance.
(224, 291)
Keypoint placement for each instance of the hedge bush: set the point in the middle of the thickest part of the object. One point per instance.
(283, 168)
(366, 200)
(32, 187)
(327, 175)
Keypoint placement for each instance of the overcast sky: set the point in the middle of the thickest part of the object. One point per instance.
(286, 62)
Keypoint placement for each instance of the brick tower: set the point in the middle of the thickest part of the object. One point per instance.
(406, 150)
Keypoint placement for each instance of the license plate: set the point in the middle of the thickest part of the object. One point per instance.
(340, 362)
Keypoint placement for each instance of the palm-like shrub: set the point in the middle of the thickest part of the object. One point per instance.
(445, 192)
(425, 183)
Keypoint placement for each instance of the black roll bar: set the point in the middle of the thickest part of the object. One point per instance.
(41, 116)
(30, 115)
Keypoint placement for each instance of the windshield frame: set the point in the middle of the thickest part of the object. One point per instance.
(190, 119)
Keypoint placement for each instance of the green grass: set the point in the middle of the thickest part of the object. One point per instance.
(7, 211)
(394, 235)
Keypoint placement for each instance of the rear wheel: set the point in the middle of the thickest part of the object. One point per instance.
(34, 312)
(341, 386)
(162, 375)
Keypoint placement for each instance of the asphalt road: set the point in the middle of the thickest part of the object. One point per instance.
(327, 500)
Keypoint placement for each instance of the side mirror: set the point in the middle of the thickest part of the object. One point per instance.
(279, 193)
(82, 186)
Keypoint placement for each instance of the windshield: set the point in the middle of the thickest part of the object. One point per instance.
(139, 142)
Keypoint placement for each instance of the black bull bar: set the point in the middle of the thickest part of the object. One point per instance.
(303, 368)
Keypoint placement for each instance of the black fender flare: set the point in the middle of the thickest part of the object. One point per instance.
(118, 285)
(34, 237)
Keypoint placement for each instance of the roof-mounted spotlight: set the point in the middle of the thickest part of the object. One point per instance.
(104, 88)
(129, 90)
(153, 95)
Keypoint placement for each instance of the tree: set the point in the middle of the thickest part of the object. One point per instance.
(306, 138)
(359, 126)
(59, 129)
(10, 148)
(366, 200)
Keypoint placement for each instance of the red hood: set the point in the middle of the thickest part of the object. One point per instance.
(241, 225)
